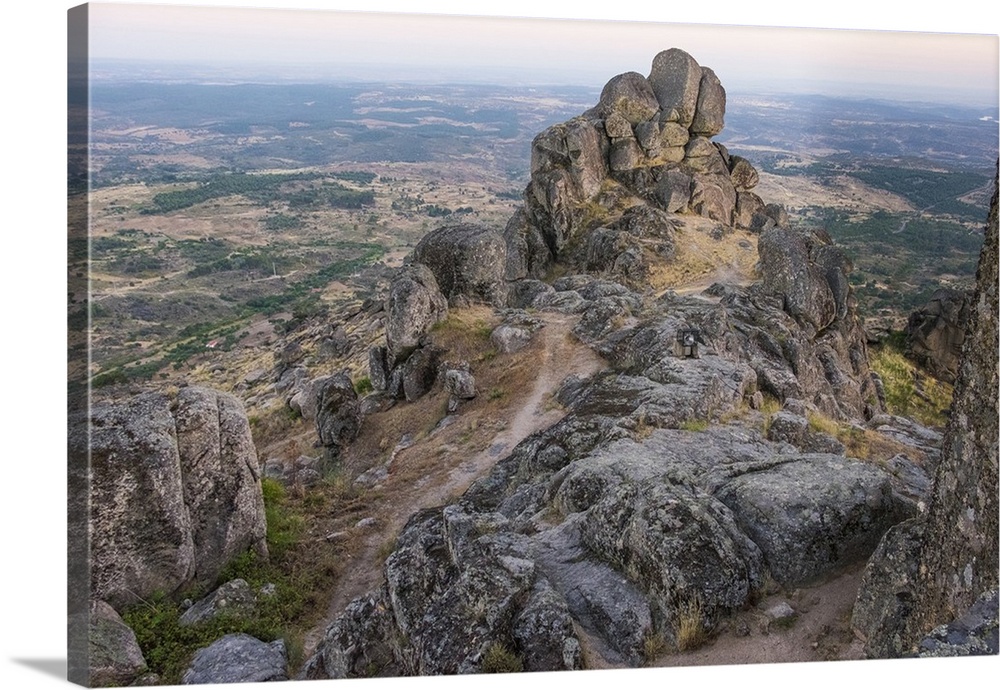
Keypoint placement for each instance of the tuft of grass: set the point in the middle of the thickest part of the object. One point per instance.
(499, 659)
(822, 424)
(695, 425)
(363, 385)
(654, 644)
(385, 549)
(689, 628)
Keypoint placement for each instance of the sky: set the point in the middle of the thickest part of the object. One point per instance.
(904, 64)
(33, 284)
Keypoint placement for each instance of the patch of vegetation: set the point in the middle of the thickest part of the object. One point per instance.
(909, 391)
(363, 385)
(929, 189)
(654, 644)
(499, 659)
(689, 628)
(282, 221)
(168, 647)
(697, 425)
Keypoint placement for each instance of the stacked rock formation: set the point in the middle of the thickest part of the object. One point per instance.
(648, 140)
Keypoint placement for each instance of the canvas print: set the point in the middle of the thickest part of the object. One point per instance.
(411, 345)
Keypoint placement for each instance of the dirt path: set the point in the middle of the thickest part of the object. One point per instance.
(561, 355)
(820, 632)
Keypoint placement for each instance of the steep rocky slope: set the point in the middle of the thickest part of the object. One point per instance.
(721, 436)
(663, 501)
(931, 570)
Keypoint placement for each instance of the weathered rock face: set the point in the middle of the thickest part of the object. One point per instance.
(114, 653)
(935, 333)
(338, 412)
(953, 559)
(414, 305)
(955, 571)
(221, 475)
(238, 658)
(175, 492)
(467, 261)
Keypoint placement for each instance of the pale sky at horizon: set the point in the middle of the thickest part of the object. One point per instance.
(918, 66)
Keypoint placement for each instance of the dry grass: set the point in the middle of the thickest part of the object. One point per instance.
(689, 628)
(864, 444)
(654, 644)
(701, 260)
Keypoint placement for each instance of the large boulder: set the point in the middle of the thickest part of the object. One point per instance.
(935, 332)
(709, 116)
(815, 514)
(807, 272)
(630, 96)
(175, 492)
(113, 651)
(238, 658)
(221, 478)
(468, 261)
(676, 78)
(413, 306)
(338, 412)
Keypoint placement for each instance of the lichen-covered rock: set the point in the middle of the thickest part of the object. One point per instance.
(221, 478)
(935, 332)
(357, 644)
(960, 556)
(814, 514)
(710, 113)
(175, 492)
(413, 306)
(238, 658)
(885, 596)
(338, 412)
(234, 599)
(974, 633)
(679, 544)
(467, 260)
(452, 590)
(113, 651)
(630, 96)
(676, 78)
(745, 177)
(142, 538)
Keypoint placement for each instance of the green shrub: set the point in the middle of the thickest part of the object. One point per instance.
(499, 659)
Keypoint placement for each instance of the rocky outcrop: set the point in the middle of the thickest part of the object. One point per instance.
(643, 510)
(953, 559)
(647, 143)
(175, 492)
(935, 333)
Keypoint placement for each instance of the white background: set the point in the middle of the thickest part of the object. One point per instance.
(33, 547)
